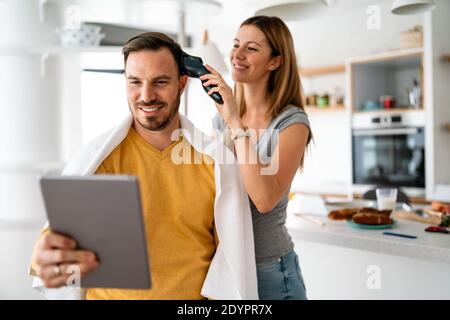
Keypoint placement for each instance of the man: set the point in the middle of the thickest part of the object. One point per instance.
(198, 224)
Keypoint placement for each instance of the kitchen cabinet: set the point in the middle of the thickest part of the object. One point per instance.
(58, 50)
(388, 125)
(44, 53)
(384, 82)
(437, 101)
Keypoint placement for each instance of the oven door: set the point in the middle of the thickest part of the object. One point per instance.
(389, 156)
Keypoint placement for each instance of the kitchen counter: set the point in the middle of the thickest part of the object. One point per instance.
(433, 247)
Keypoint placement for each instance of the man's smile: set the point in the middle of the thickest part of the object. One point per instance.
(150, 110)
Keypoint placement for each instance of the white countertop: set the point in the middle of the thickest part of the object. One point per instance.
(429, 246)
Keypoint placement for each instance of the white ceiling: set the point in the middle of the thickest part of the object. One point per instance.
(143, 13)
(234, 11)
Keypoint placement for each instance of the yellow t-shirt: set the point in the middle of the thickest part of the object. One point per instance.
(178, 208)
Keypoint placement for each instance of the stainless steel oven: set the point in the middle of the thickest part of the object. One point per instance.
(389, 149)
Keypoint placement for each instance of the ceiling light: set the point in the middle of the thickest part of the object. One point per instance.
(291, 10)
(405, 7)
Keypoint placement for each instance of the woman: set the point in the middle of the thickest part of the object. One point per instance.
(269, 131)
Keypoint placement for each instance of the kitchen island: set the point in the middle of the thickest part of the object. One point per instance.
(340, 262)
(434, 247)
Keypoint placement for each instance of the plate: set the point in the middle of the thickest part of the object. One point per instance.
(371, 226)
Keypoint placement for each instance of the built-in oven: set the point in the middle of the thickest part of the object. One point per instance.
(389, 149)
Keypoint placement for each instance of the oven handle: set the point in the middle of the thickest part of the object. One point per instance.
(385, 132)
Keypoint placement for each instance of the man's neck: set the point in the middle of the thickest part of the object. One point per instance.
(159, 139)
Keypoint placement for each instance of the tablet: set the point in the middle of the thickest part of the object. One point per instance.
(103, 213)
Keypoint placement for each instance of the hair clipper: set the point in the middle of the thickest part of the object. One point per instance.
(194, 68)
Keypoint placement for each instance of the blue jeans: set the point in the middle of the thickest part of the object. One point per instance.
(281, 279)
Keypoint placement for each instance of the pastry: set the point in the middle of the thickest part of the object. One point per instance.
(343, 214)
(375, 211)
(348, 213)
(372, 218)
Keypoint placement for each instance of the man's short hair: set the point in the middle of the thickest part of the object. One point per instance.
(153, 41)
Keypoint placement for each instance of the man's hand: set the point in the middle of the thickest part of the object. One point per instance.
(53, 254)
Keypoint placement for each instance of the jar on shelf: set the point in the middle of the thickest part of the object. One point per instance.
(336, 97)
(388, 102)
(311, 100)
(323, 100)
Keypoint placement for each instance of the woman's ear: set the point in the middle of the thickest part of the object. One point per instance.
(275, 63)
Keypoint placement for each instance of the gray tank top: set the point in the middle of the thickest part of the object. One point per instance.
(272, 239)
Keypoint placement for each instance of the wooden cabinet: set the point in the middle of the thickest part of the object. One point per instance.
(386, 82)
(385, 100)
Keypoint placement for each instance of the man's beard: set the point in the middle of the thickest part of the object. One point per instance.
(152, 123)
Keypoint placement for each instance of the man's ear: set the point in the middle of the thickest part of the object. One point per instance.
(183, 82)
(275, 63)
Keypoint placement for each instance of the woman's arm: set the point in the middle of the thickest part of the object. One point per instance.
(266, 185)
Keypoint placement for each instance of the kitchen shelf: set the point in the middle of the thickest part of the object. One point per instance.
(310, 72)
(318, 71)
(387, 55)
(394, 110)
(315, 109)
(33, 167)
(60, 50)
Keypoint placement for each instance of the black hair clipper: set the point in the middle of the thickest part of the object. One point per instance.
(194, 68)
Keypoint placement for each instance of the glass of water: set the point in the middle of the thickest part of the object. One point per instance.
(386, 198)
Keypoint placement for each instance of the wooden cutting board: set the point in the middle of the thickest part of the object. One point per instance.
(432, 212)
(407, 215)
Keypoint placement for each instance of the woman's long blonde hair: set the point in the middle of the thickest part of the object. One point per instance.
(284, 86)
